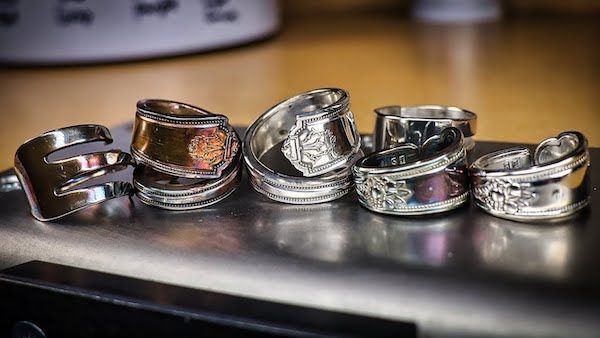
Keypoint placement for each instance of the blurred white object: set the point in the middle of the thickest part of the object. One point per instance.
(74, 31)
(457, 11)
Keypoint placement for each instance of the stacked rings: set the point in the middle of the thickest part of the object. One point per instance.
(316, 133)
(552, 184)
(187, 157)
(415, 180)
(175, 193)
(395, 125)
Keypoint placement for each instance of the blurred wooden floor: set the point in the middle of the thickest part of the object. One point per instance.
(526, 78)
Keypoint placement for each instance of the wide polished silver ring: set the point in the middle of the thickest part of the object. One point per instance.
(395, 125)
(183, 140)
(316, 133)
(413, 180)
(551, 184)
(176, 193)
(54, 187)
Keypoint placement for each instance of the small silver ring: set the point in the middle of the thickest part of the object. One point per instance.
(316, 133)
(413, 180)
(551, 184)
(395, 125)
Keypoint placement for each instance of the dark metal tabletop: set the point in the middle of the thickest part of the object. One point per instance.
(460, 273)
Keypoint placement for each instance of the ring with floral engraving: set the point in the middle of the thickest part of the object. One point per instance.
(551, 184)
(415, 180)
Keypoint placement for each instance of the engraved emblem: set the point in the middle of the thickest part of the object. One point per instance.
(310, 149)
(504, 196)
(212, 148)
(384, 193)
(319, 143)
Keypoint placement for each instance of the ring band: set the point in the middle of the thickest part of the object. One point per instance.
(553, 183)
(182, 140)
(413, 180)
(169, 192)
(53, 186)
(395, 125)
(320, 141)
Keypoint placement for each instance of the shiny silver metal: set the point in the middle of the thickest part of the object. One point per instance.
(395, 125)
(324, 136)
(55, 188)
(551, 184)
(463, 273)
(316, 133)
(183, 140)
(176, 193)
(413, 180)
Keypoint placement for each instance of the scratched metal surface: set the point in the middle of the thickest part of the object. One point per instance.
(463, 273)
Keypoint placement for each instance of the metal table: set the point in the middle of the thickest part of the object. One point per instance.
(462, 273)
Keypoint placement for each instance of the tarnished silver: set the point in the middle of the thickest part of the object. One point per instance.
(395, 125)
(176, 193)
(53, 187)
(413, 180)
(183, 140)
(317, 135)
(551, 184)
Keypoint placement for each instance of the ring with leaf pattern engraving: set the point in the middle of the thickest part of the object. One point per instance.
(551, 184)
(182, 140)
(415, 180)
(395, 125)
(314, 136)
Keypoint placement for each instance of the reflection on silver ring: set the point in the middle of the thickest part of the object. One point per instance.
(395, 125)
(319, 139)
(175, 193)
(551, 184)
(53, 187)
(412, 180)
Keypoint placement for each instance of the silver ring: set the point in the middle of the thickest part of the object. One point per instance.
(183, 140)
(395, 125)
(551, 184)
(319, 140)
(413, 180)
(175, 193)
(53, 187)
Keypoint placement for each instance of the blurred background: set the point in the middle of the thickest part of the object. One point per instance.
(528, 68)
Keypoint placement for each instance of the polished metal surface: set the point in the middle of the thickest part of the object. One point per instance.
(415, 180)
(177, 193)
(183, 140)
(549, 184)
(395, 125)
(314, 132)
(463, 273)
(56, 187)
